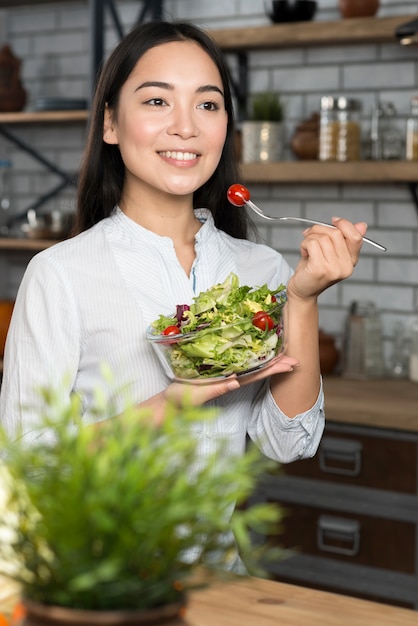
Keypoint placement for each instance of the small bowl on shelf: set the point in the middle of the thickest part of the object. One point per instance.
(282, 11)
(214, 353)
(54, 225)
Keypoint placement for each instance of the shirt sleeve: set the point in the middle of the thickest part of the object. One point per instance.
(282, 438)
(39, 351)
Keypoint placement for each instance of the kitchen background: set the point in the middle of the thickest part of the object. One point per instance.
(53, 43)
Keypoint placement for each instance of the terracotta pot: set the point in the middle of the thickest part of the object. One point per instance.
(47, 615)
(6, 310)
(328, 353)
(358, 8)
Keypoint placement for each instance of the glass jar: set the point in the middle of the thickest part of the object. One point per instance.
(413, 354)
(339, 130)
(5, 203)
(385, 137)
(328, 129)
(412, 132)
(363, 349)
(348, 148)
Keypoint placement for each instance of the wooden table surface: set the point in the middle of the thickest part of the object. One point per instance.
(384, 403)
(257, 602)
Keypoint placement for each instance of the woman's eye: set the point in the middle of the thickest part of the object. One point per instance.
(158, 102)
(209, 106)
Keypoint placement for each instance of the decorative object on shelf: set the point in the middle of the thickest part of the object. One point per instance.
(328, 353)
(358, 8)
(305, 140)
(412, 132)
(6, 310)
(339, 133)
(290, 10)
(12, 93)
(262, 134)
(385, 137)
(54, 225)
(122, 517)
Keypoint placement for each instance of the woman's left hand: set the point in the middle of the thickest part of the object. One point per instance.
(328, 255)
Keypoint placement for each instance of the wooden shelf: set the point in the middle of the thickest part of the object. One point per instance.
(30, 117)
(21, 3)
(339, 32)
(294, 172)
(31, 245)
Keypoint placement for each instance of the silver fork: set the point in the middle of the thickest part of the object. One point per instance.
(259, 212)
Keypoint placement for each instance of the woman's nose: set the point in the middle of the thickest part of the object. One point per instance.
(183, 123)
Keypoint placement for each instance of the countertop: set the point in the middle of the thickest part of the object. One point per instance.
(257, 602)
(384, 403)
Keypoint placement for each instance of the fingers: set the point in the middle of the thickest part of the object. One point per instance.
(197, 394)
(342, 242)
(353, 233)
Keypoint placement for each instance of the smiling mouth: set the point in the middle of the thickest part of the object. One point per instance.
(179, 156)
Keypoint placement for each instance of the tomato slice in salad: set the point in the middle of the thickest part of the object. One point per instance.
(171, 330)
(263, 321)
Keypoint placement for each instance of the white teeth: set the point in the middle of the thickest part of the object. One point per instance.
(179, 156)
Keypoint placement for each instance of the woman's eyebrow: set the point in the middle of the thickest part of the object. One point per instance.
(206, 88)
(154, 83)
(163, 85)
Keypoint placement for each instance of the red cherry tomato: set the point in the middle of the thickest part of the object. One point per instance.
(238, 195)
(171, 330)
(263, 321)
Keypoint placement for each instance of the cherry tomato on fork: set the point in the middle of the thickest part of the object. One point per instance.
(238, 195)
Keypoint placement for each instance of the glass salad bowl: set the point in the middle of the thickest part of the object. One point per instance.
(227, 329)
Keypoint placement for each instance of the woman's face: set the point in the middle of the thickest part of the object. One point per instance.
(170, 123)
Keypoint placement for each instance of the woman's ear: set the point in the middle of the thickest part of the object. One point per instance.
(109, 133)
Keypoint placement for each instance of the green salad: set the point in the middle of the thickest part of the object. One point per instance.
(227, 329)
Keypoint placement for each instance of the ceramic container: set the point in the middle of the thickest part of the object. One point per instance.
(358, 8)
(262, 141)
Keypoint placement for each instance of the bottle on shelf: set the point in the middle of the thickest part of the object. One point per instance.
(363, 349)
(413, 354)
(385, 137)
(412, 132)
(5, 202)
(399, 360)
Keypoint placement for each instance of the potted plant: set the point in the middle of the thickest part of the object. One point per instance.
(102, 523)
(262, 132)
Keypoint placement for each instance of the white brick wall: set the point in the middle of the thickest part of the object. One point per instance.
(53, 42)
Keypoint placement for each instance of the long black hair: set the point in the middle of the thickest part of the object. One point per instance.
(102, 170)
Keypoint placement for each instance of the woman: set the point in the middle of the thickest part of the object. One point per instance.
(154, 229)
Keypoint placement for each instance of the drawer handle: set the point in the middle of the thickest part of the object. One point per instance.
(333, 451)
(338, 529)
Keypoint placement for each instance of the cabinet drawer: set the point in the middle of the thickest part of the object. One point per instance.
(357, 539)
(360, 459)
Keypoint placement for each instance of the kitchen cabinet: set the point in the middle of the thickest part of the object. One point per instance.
(351, 512)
